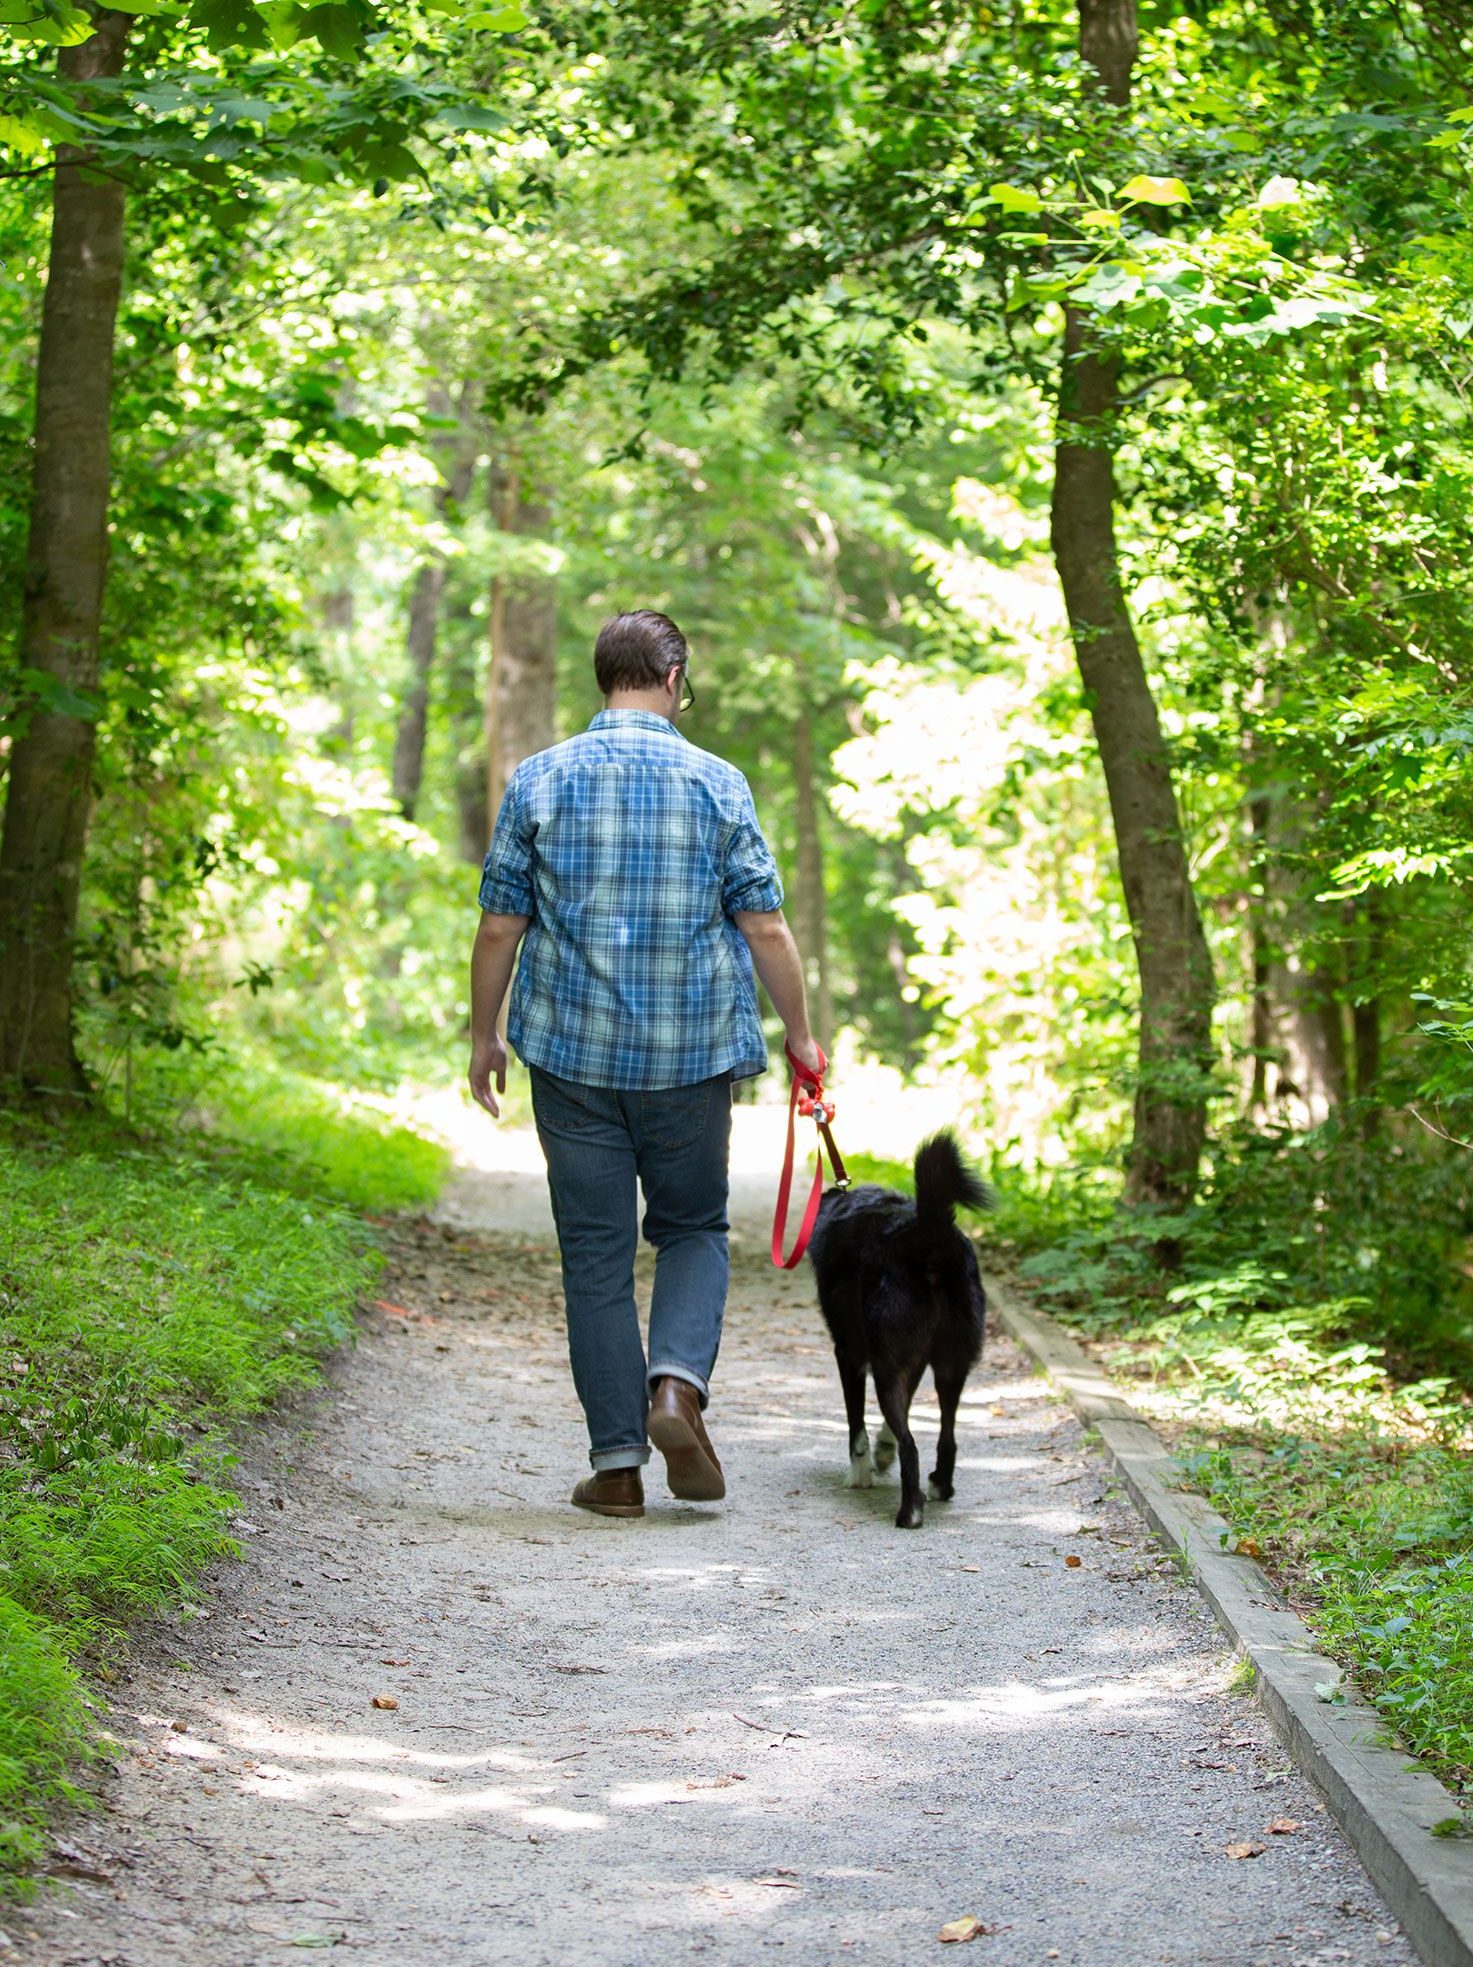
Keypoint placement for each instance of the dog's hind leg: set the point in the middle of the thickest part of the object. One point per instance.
(948, 1393)
(895, 1397)
(884, 1447)
(861, 1461)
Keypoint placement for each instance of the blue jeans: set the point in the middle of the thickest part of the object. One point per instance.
(676, 1142)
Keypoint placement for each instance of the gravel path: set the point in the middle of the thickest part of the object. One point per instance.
(774, 1724)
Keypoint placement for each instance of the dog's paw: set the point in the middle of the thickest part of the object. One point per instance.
(939, 1492)
(911, 1517)
(862, 1470)
(884, 1450)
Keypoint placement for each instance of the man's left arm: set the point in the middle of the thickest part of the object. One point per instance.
(493, 957)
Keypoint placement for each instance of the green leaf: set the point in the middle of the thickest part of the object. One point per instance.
(230, 24)
(1015, 198)
(469, 116)
(52, 694)
(336, 25)
(497, 20)
(1109, 286)
(18, 135)
(58, 25)
(1156, 191)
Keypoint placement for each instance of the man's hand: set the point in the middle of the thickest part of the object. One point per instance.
(488, 1059)
(806, 1049)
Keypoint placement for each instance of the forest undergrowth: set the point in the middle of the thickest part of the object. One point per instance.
(1307, 1351)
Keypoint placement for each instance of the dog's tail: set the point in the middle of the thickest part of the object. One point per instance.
(944, 1182)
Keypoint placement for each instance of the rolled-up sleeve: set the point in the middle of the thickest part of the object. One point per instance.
(506, 873)
(749, 876)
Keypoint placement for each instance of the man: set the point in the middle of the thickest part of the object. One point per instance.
(634, 865)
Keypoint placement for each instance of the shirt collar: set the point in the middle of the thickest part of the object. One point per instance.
(644, 720)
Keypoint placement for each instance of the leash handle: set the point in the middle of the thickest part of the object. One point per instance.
(806, 1097)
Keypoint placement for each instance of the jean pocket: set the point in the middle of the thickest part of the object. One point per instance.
(675, 1116)
(561, 1104)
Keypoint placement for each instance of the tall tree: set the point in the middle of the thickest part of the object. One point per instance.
(457, 463)
(1171, 949)
(521, 678)
(50, 790)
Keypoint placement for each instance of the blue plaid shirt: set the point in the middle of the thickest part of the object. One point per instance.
(631, 850)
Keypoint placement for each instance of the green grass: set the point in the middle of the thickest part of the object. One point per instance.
(1308, 1356)
(352, 1153)
(156, 1290)
(875, 1168)
(311, 1137)
(1374, 1539)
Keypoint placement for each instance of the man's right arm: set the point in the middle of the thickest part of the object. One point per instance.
(776, 960)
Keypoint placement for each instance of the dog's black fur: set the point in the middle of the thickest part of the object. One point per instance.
(899, 1291)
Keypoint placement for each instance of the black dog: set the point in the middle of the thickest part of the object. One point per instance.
(899, 1291)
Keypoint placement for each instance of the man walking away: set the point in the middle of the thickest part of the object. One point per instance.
(634, 866)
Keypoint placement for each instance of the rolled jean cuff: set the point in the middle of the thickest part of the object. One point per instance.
(618, 1458)
(680, 1373)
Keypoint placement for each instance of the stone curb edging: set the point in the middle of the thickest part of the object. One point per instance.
(1384, 1807)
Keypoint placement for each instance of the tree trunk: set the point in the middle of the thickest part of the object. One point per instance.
(457, 469)
(520, 711)
(1175, 967)
(1301, 1071)
(809, 916)
(50, 779)
(1365, 1018)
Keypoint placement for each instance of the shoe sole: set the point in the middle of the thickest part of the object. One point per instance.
(692, 1474)
(611, 1509)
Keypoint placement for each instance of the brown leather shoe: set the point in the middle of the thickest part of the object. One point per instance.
(611, 1492)
(677, 1430)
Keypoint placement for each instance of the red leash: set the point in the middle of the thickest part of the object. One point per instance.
(806, 1098)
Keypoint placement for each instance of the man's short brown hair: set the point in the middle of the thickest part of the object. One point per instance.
(636, 651)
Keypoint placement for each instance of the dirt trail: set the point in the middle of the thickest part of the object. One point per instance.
(777, 1723)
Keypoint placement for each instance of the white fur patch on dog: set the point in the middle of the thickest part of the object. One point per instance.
(862, 1468)
(884, 1447)
(936, 1495)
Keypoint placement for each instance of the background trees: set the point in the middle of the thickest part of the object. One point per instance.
(895, 352)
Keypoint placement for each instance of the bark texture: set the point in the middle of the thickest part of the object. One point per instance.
(457, 466)
(1171, 949)
(50, 780)
(520, 708)
(1301, 1065)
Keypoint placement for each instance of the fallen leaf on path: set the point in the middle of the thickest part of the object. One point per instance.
(1282, 1826)
(81, 1864)
(393, 1662)
(968, 1927)
(1246, 1850)
(394, 1311)
(1073, 1562)
(780, 1884)
(383, 1700)
(1248, 1547)
(971, 1567)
